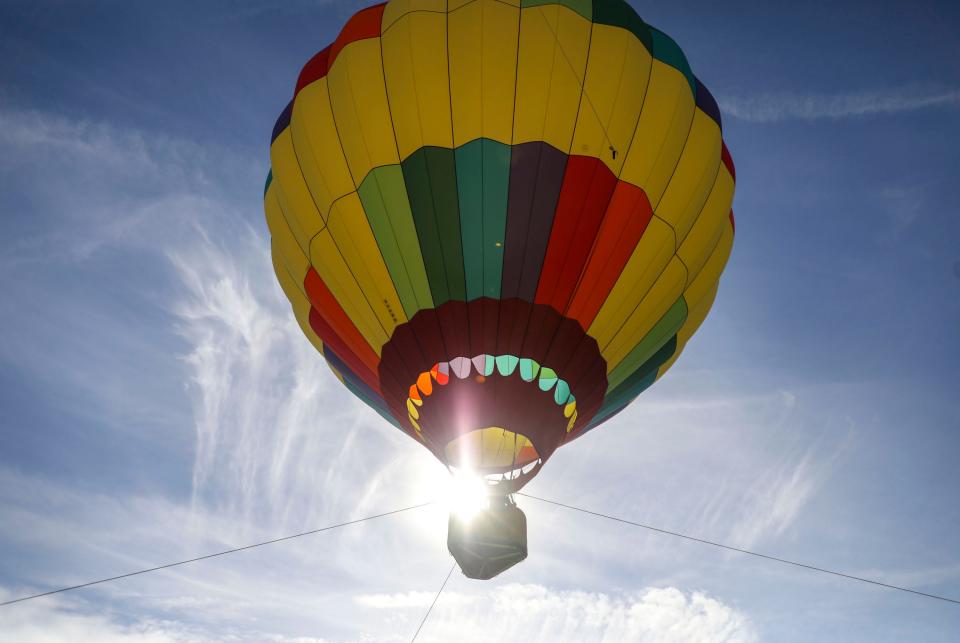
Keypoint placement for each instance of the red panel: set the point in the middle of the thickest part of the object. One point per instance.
(315, 69)
(364, 24)
(344, 352)
(623, 225)
(327, 306)
(728, 161)
(587, 187)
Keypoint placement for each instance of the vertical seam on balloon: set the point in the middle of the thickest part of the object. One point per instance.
(583, 92)
(647, 292)
(413, 221)
(618, 174)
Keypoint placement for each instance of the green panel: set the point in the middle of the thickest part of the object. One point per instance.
(660, 334)
(483, 177)
(384, 198)
(639, 380)
(267, 184)
(507, 364)
(583, 7)
(666, 50)
(620, 14)
(431, 182)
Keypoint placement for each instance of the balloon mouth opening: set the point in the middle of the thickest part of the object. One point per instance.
(503, 460)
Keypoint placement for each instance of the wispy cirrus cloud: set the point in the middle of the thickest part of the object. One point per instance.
(786, 106)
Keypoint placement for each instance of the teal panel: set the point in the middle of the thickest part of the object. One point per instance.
(267, 184)
(384, 198)
(431, 182)
(666, 50)
(620, 14)
(483, 177)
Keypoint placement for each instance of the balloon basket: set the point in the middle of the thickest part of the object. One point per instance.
(491, 541)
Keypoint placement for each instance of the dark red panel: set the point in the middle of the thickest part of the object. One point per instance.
(536, 174)
(327, 306)
(623, 225)
(364, 24)
(330, 338)
(728, 161)
(588, 185)
(315, 69)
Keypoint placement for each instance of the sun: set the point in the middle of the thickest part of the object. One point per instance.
(467, 495)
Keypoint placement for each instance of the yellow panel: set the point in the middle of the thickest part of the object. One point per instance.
(285, 246)
(697, 313)
(298, 301)
(550, 75)
(694, 176)
(330, 265)
(291, 190)
(657, 301)
(360, 108)
(711, 270)
(318, 147)
(358, 247)
(415, 66)
(661, 131)
(703, 236)
(396, 9)
(617, 73)
(648, 260)
(483, 70)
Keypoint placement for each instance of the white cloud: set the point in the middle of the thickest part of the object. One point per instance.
(534, 613)
(773, 107)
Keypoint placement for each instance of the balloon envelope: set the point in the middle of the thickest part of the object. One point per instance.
(499, 221)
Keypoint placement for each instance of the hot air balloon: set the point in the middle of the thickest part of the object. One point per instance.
(499, 221)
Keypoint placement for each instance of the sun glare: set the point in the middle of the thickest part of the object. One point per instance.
(467, 495)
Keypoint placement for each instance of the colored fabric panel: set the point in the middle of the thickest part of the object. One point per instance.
(332, 341)
(315, 69)
(431, 179)
(417, 80)
(662, 129)
(706, 230)
(639, 380)
(384, 198)
(665, 291)
(554, 42)
(708, 104)
(354, 239)
(668, 326)
(536, 175)
(618, 69)
(668, 51)
(482, 44)
(397, 9)
(620, 14)
(587, 189)
(647, 262)
(693, 177)
(361, 112)
(282, 122)
(583, 7)
(623, 225)
(292, 193)
(483, 174)
(282, 241)
(327, 306)
(362, 25)
(317, 148)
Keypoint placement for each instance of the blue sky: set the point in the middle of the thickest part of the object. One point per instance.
(159, 402)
